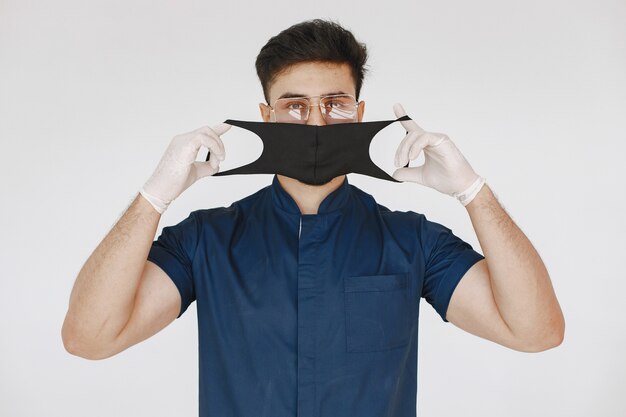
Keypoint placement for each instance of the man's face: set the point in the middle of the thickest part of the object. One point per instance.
(308, 79)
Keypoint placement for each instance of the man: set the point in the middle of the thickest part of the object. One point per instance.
(308, 295)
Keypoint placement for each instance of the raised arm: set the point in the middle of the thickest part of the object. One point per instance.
(119, 298)
(103, 297)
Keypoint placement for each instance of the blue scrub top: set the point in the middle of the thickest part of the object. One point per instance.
(310, 315)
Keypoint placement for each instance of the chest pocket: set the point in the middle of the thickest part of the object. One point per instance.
(377, 312)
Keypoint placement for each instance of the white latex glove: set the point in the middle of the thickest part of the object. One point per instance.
(445, 169)
(178, 168)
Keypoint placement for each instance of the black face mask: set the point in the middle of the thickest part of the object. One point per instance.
(313, 154)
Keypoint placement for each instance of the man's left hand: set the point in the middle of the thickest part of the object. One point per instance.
(445, 169)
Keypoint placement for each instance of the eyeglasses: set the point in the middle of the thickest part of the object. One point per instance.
(335, 108)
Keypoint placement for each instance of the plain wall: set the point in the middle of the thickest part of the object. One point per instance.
(533, 94)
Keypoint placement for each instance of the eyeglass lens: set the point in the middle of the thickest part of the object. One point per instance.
(335, 109)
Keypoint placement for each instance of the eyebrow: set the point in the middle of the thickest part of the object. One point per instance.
(292, 95)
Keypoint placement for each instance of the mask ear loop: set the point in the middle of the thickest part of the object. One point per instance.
(406, 166)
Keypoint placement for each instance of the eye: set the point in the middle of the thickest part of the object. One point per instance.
(295, 106)
(339, 103)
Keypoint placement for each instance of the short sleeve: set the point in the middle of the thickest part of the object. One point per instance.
(447, 258)
(173, 252)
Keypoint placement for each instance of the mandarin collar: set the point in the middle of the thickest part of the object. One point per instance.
(332, 202)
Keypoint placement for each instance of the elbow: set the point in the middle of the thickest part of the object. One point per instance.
(68, 338)
(546, 344)
(558, 332)
(74, 346)
(548, 339)
(76, 349)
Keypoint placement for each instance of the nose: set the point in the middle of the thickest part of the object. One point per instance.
(315, 115)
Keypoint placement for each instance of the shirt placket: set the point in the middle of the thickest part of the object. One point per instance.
(309, 287)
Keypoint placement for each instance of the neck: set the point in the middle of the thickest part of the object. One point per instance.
(309, 197)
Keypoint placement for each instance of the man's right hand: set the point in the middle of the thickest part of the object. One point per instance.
(178, 168)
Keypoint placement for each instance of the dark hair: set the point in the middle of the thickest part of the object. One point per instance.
(311, 40)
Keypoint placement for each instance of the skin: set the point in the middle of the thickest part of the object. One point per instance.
(311, 79)
(507, 297)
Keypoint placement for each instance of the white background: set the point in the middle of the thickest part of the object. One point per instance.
(532, 92)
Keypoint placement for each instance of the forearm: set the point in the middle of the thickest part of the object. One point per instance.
(102, 298)
(520, 282)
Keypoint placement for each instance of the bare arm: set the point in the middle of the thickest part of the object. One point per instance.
(119, 298)
(103, 296)
(507, 297)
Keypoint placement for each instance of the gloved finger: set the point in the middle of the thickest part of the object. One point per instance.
(404, 146)
(409, 125)
(403, 153)
(439, 138)
(413, 174)
(204, 169)
(425, 139)
(221, 128)
(212, 134)
(214, 160)
(218, 129)
(210, 140)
